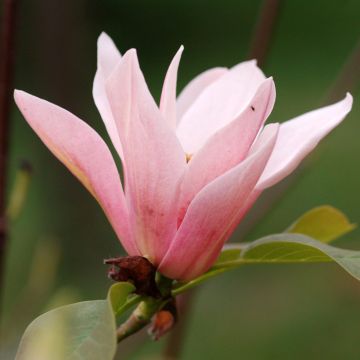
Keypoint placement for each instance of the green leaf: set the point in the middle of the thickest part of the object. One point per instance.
(323, 223)
(230, 252)
(118, 295)
(295, 248)
(278, 248)
(84, 330)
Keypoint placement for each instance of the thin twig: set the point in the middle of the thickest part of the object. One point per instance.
(6, 78)
(264, 30)
(348, 78)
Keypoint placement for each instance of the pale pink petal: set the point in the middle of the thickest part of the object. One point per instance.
(213, 211)
(84, 153)
(298, 137)
(250, 201)
(218, 105)
(168, 94)
(228, 146)
(108, 56)
(154, 158)
(195, 87)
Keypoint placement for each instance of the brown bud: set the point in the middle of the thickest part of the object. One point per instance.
(137, 270)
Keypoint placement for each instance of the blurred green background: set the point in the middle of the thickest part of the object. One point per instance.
(57, 244)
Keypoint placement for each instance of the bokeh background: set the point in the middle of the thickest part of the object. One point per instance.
(60, 238)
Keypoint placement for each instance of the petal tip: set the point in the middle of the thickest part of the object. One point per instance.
(178, 54)
(130, 58)
(131, 55)
(103, 35)
(103, 39)
(346, 103)
(349, 98)
(269, 82)
(20, 95)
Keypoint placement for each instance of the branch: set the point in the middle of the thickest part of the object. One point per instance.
(141, 316)
(264, 30)
(138, 319)
(6, 77)
(348, 78)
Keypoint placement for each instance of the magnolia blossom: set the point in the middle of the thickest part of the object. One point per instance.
(193, 166)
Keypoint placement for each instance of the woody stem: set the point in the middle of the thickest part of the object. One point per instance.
(143, 313)
(139, 318)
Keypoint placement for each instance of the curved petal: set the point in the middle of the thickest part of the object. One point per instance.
(153, 155)
(213, 211)
(228, 146)
(298, 137)
(84, 153)
(108, 56)
(219, 104)
(195, 87)
(168, 94)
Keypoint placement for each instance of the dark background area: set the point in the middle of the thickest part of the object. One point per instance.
(57, 244)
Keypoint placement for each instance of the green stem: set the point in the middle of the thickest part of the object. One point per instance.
(147, 307)
(139, 318)
(129, 304)
(182, 287)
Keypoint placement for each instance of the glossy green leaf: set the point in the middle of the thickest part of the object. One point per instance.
(295, 248)
(81, 331)
(118, 295)
(323, 223)
(278, 248)
(230, 252)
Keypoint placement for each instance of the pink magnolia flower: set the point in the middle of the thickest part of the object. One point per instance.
(193, 166)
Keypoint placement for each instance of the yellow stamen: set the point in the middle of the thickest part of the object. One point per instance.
(188, 157)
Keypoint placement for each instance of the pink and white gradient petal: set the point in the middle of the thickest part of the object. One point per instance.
(168, 94)
(154, 159)
(107, 58)
(228, 146)
(195, 87)
(85, 154)
(203, 231)
(218, 105)
(298, 137)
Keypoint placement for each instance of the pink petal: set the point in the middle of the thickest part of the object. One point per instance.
(168, 95)
(84, 153)
(298, 137)
(108, 57)
(195, 87)
(154, 158)
(108, 54)
(218, 105)
(228, 146)
(213, 211)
